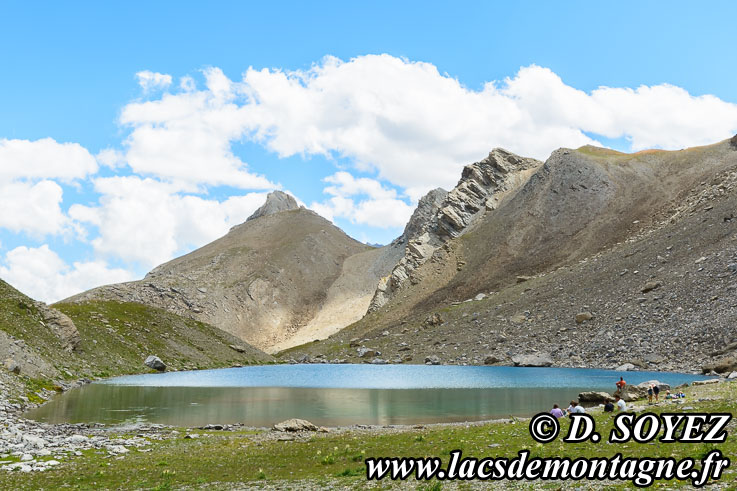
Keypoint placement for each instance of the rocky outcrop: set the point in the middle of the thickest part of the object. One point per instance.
(733, 142)
(726, 364)
(424, 214)
(441, 216)
(61, 325)
(276, 201)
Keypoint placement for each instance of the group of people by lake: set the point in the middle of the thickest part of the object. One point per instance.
(575, 407)
(617, 403)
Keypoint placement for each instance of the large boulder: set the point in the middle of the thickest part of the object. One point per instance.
(12, 366)
(432, 360)
(491, 359)
(533, 360)
(295, 425)
(661, 385)
(155, 363)
(594, 397)
(723, 365)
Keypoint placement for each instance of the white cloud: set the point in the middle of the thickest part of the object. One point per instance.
(417, 127)
(111, 157)
(147, 222)
(44, 159)
(149, 80)
(413, 126)
(186, 138)
(32, 208)
(41, 274)
(380, 208)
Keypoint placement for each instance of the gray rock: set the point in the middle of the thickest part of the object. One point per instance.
(364, 352)
(661, 385)
(379, 361)
(706, 382)
(295, 425)
(432, 360)
(594, 397)
(239, 349)
(155, 363)
(491, 359)
(625, 367)
(650, 286)
(723, 365)
(62, 327)
(480, 296)
(582, 317)
(653, 358)
(12, 366)
(276, 202)
(533, 360)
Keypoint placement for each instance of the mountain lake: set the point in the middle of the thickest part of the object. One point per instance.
(333, 395)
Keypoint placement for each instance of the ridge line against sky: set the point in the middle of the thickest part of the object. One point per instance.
(358, 138)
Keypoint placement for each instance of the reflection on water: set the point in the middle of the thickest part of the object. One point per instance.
(263, 406)
(331, 395)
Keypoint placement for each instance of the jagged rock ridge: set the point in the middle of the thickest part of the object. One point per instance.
(441, 216)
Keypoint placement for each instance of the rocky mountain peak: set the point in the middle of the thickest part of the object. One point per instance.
(276, 201)
(441, 216)
(733, 142)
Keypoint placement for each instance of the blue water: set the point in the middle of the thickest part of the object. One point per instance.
(325, 376)
(333, 395)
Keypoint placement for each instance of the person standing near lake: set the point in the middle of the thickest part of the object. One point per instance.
(650, 394)
(656, 391)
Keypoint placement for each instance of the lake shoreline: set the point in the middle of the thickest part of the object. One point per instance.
(33, 446)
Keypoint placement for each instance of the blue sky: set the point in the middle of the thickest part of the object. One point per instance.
(363, 107)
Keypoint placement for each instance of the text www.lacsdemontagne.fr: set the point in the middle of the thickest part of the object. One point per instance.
(640, 471)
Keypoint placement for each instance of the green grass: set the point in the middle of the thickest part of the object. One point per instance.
(115, 339)
(229, 459)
